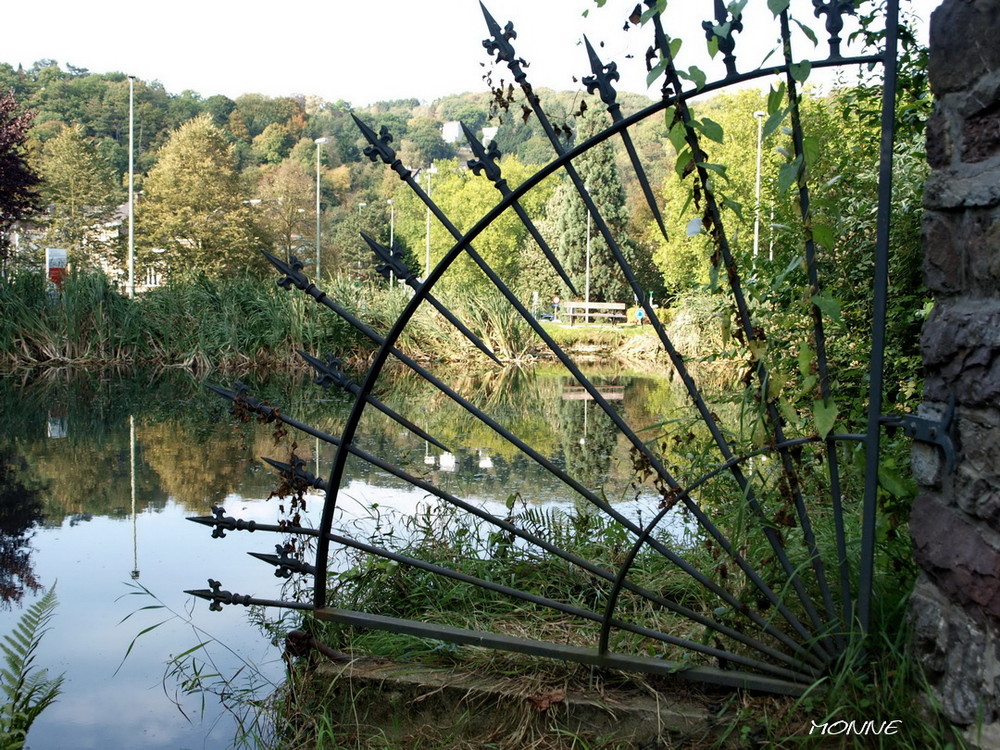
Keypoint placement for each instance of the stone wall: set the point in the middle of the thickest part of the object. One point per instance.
(955, 521)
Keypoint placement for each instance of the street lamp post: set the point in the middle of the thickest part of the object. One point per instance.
(131, 187)
(392, 238)
(427, 251)
(319, 144)
(756, 218)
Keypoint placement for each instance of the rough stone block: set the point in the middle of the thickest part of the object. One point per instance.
(963, 43)
(953, 552)
(944, 260)
(961, 668)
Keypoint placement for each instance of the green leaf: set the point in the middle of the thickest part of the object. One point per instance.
(775, 98)
(823, 235)
(806, 357)
(777, 7)
(683, 159)
(656, 72)
(773, 122)
(825, 416)
(678, 136)
(828, 306)
(807, 31)
(800, 71)
(812, 148)
(788, 174)
(713, 46)
(696, 75)
(894, 483)
(711, 129)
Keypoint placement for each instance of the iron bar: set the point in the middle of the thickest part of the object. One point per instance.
(393, 262)
(880, 290)
(487, 162)
(601, 80)
(379, 149)
(819, 335)
(500, 45)
(722, 677)
(330, 374)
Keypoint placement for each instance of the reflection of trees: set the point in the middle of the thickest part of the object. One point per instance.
(197, 467)
(20, 511)
(588, 438)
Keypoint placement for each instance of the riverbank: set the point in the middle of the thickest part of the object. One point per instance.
(239, 323)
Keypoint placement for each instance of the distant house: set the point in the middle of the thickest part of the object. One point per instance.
(451, 131)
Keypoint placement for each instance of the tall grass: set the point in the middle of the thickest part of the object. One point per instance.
(224, 323)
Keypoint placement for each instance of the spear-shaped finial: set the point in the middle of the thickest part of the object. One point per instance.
(602, 77)
(500, 45)
(834, 10)
(378, 147)
(722, 31)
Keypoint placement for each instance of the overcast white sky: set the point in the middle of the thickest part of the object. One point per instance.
(354, 50)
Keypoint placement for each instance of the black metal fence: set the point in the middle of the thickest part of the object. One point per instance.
(774, 630)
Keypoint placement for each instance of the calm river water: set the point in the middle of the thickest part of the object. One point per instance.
(102, 469)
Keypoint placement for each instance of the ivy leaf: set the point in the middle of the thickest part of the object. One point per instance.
(775, 98)
(806, 356)
(713, 47)
(678, 136)
(788, 174)
(828, 306)
(711, 129)
(656, 72)
(773, 121)
(823, 235)
(777, 7)
(696, 75)
(683, 159)
(825, 416)
(807, 31)
(800, 71)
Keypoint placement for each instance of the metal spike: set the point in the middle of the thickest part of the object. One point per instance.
(379, 147)
(283, 563)
(486, 162)
(601, 80)
(727, 42)
(383, 252)
(834, 10)
(218, 597)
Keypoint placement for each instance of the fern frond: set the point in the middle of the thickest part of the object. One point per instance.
(26, 691)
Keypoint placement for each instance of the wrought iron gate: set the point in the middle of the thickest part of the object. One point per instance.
(773, 627)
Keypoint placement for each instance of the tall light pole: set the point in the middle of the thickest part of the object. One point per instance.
(427, 251)
(392, 238)
(319, 146)
(756, 218)
(586, 290)
(131, 187)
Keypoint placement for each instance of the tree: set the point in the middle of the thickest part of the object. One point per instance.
(598, 170)
(83, 193)
(192, 207)
(287, 194)
(18, 198)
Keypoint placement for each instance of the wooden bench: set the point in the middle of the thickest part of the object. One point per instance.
(613, 311)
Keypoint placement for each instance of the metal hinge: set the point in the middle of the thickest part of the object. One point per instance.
(939, 432)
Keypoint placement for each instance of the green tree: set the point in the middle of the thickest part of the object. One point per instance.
(192, 207)
(599, 171)
(287, 204)
(83, 193)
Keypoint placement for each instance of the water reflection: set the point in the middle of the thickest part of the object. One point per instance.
(100, 469)
(20, 512)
